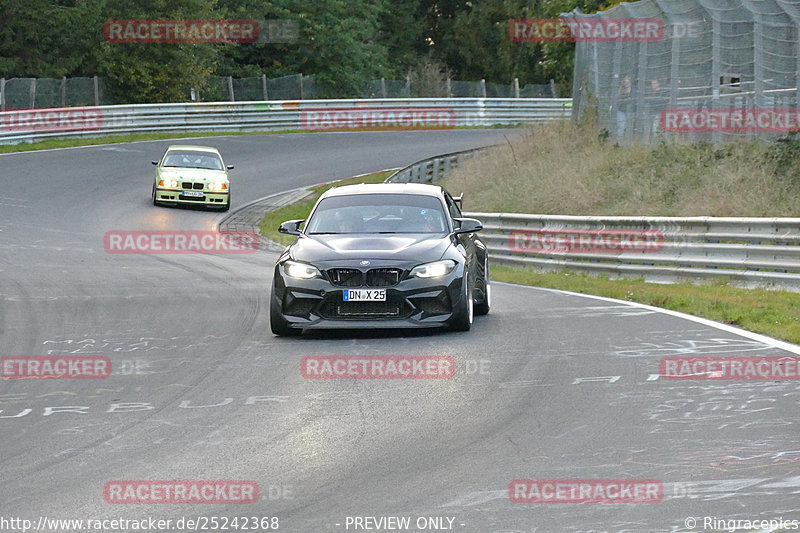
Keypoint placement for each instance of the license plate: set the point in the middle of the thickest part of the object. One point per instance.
(365, 295)
(197, 194)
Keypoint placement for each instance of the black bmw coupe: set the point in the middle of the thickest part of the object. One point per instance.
(389, 255)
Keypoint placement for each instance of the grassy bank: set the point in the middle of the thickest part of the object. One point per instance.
(559, 169)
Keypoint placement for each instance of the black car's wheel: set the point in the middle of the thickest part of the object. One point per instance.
(279, 324)
(482, 307)
(465, 311)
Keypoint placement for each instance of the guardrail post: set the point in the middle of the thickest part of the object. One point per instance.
(63, 91)
(33, 93)
(515, 85)
(264, 86)
(435, 174)
(96, 86)
(230, 88)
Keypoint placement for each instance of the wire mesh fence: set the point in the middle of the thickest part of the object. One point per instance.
(40, 93)
(721, 70)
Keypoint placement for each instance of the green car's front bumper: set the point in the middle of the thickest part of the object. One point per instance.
(181, 196)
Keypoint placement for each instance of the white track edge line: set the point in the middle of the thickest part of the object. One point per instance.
(783, 345)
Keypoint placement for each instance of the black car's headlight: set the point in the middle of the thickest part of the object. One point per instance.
(293, 269)
(436, 269)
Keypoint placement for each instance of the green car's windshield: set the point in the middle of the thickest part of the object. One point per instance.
(378, 213)
(192, 159)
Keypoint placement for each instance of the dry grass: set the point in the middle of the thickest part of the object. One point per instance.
(561, 169)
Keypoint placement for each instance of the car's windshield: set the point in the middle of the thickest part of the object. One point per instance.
(378, 213)
(192, 159)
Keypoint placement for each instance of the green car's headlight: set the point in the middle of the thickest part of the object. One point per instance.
(169, 184)
(293, 269)
(436, 269)
(220, 186)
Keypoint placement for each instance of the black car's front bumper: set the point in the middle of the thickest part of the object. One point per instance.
(410, 303)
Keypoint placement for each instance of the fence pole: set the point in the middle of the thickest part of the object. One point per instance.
(2, 94)
(483, 88)
(301, 86)
(264, 86)
(63, 91)
(716, 72)
(33, 93)
(96, 84)
(408, 84)
(230, 88)
(383, 87)
(449, 88)
(515, 86)
(553, 91)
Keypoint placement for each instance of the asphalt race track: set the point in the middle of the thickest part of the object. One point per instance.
(549, 385)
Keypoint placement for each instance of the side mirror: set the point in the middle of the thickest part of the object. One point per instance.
(230, 167)
(291, 227)
(467, 225)
(154, 162)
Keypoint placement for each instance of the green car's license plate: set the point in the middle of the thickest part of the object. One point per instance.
(196, 194)
(364, 295)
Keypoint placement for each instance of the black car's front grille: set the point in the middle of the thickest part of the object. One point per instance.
(383, 277)
(190, 185)
(376, 277)
(346, 277)
(362, 309)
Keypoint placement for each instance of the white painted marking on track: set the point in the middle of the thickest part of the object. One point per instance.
(775, 343)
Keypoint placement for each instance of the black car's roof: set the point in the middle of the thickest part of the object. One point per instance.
(386, 188)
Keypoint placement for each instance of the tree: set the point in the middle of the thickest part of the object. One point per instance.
(155, 72)
(37, 38)
(339, 43)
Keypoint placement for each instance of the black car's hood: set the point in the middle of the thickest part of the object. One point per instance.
(400, 247)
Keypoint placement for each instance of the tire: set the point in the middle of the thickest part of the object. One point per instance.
(278, 324)
(154, 196)
(228, 204)
(466, 309)
(482, 307)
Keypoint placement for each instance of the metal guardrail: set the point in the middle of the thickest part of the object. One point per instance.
(41, 124)
(431, 170)
(748, 251)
